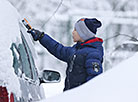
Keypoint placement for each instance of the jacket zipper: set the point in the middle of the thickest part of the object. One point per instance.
(72, 63)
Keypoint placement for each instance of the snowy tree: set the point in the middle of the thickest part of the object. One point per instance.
(125, 24)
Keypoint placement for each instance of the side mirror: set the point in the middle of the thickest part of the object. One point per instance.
(49, 76)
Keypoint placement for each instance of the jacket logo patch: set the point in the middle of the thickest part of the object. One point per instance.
(95, 66)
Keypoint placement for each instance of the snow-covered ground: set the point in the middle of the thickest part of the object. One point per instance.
(119, 84)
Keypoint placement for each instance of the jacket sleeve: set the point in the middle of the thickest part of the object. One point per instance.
(58, 50)
(93, 65)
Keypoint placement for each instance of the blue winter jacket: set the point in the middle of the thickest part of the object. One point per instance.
(84, 59)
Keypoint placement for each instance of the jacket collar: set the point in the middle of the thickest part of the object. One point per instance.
(92, 40)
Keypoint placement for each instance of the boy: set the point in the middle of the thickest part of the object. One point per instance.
(84, 59)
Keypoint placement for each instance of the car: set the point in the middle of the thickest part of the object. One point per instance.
(20, 79)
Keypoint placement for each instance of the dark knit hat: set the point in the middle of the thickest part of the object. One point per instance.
(87, 27)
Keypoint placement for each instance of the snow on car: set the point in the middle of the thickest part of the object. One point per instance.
(20, 79)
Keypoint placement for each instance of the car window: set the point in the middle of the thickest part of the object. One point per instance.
(16, 60)
(30, 58)
(23, 60)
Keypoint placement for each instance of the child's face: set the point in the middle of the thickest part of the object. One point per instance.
(76, 36)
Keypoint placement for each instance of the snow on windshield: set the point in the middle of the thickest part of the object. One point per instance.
(9, 32)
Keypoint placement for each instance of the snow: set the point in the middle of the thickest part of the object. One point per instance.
(8, 27)
(119, 84)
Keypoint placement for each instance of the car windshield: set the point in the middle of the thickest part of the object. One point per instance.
(23, 60)
(30, 58)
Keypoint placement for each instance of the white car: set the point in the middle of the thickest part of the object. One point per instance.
(20, 79)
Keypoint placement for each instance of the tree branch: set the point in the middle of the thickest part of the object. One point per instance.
(53, 14)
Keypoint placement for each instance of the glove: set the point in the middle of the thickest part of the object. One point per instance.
(36, 34)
